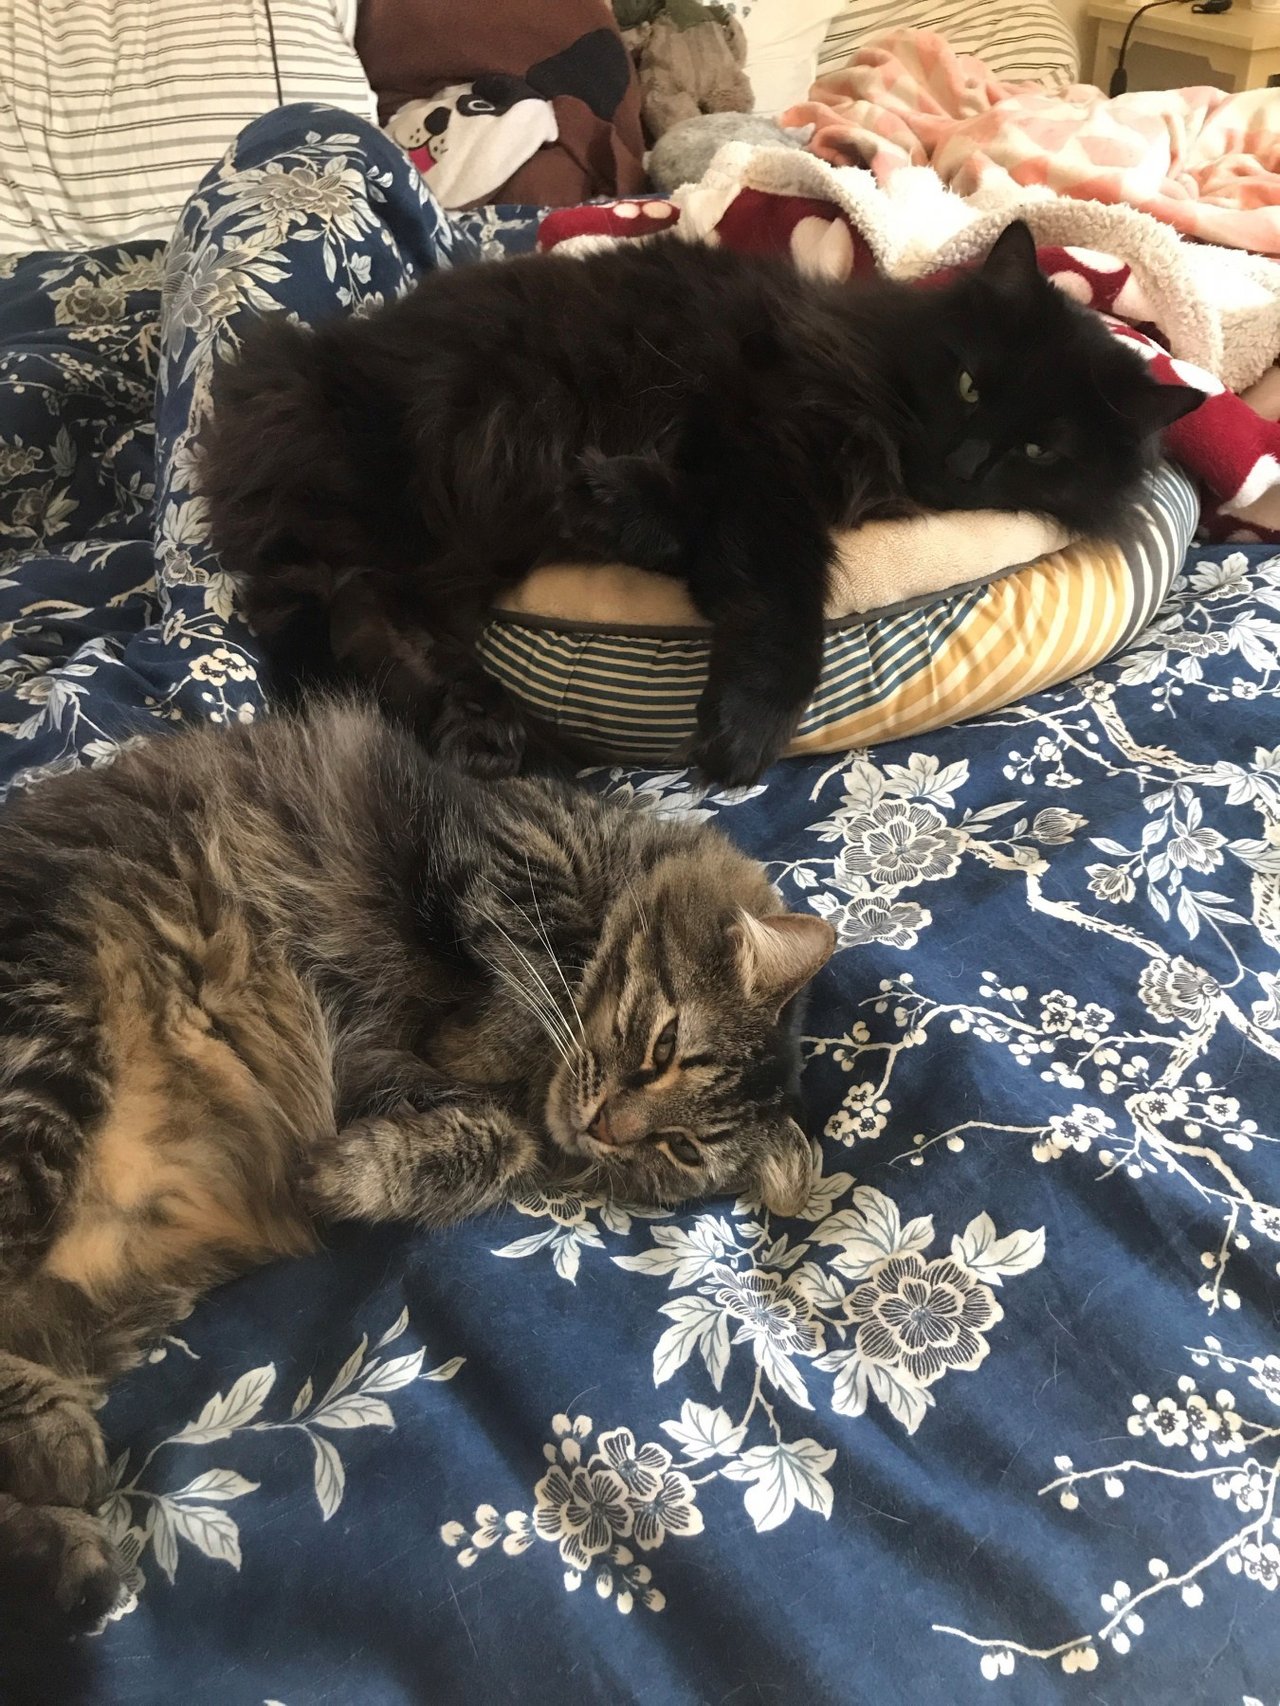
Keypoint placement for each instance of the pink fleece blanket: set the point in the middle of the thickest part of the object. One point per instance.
(1204, 162)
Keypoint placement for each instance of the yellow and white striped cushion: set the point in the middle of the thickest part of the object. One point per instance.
(630, 692)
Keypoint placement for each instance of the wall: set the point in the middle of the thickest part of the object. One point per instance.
(1149, 67)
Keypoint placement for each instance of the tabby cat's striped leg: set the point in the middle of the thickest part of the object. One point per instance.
(57, 1348)
(54, 1558)
(435, 1165)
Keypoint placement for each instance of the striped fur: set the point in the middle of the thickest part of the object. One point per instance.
(256, 977)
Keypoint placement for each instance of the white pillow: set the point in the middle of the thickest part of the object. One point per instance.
(783, 38)
(1021, 41)
(345, 11)
(111, 111)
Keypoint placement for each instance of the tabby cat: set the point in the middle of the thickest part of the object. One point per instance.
(374, 483)
(300, 970)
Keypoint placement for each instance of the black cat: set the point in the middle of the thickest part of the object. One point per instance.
(376, 481)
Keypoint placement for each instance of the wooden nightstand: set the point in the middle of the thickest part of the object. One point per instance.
(1242, 44)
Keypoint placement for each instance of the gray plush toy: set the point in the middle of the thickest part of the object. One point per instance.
(684, 152)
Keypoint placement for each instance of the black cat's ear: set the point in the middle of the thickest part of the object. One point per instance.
(786, 1173)
(1011, 263)
(777, 956)
(1151, 407)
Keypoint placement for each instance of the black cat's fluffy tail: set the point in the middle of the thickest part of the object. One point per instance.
(277, 475)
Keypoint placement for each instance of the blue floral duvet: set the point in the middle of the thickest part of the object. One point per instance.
(998, 1417)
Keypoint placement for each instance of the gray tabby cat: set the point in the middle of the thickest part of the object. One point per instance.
(252, 978)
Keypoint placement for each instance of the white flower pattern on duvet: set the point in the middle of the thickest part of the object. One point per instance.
(587, 1507)
(853, 1296)
(142, 330)
(1215, 1436)
(1137, 1104)
(142, 1518)
(1112, 1043)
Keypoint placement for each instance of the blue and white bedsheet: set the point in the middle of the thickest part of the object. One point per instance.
(997, 1418)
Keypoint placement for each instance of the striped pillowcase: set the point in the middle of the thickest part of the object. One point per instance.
(111, 111)
(632, 694)
(1021, 41)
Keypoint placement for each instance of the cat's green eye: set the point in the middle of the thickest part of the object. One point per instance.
(680, 1147)
(1038, 453)
(664, 1046)
(967, 389)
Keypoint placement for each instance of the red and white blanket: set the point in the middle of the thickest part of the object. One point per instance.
(1198, 314)
(1205, 162)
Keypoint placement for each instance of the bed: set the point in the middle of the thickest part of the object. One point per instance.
(997, 1416)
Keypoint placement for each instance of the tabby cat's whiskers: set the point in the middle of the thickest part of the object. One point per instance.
(546, 1006)
(531, 1005)
(641, 914)
(551, 953)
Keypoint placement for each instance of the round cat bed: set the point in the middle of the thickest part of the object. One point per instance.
(930, 621)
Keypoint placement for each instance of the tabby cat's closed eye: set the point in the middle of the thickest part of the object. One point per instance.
(681, 1147)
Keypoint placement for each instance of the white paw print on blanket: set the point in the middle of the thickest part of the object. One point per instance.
(822, 248)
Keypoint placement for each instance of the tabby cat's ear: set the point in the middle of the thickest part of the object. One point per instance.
(777, 956)
(1011, 263)
(786, 1173)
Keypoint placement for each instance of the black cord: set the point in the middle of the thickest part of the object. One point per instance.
(1119, 77)
(275, 58)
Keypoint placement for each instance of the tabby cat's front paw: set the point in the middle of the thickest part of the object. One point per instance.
(432, 1165)
(341, 1177)
(56, 1561)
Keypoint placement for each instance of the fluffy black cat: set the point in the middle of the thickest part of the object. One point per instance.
(375, 482)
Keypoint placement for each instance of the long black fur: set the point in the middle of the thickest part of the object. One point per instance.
(375, 482)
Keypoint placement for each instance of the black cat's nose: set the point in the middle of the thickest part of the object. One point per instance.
(968, 458)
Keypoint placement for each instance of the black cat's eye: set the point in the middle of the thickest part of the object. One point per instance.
(967, 389)
(664, 1046)
(680, 1147)
(1038, 453)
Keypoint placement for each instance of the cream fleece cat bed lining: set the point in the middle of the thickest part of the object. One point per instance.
(929, 621)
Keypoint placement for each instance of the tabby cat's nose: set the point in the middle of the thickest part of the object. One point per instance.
(599, 1128)
(967, 458)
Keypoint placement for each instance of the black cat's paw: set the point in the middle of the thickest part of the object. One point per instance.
(738, 738)
(479, 729)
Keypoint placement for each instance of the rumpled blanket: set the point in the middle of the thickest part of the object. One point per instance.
(1205, 162)
(1203, 317)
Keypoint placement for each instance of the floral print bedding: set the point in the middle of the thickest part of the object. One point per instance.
(998, 1416)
